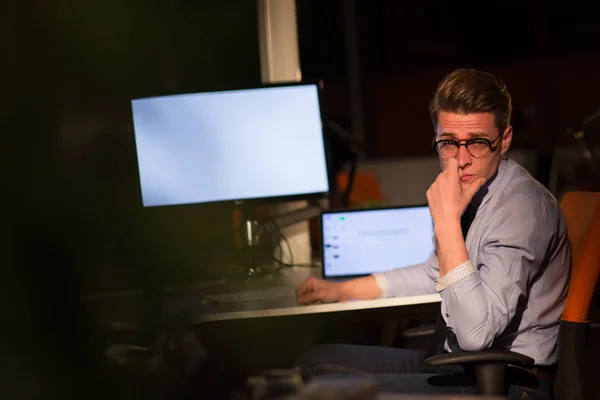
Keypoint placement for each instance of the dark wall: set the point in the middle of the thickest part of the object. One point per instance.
(74, 221)
(549, 95)
(547, 53)
(78, 66)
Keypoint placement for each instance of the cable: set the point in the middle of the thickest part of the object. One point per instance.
(272, 225)
(278, 235)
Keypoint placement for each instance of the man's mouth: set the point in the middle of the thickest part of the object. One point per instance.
(465, 177)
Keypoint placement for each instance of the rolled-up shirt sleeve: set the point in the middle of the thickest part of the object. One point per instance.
(462, 271)
(411, 280)
(480, 299)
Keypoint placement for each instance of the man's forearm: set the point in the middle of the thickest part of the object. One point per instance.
(452, 250)
(361, 288)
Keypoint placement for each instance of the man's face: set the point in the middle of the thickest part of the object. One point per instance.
(461, 127)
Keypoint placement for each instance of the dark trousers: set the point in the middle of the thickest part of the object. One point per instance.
(401, 371)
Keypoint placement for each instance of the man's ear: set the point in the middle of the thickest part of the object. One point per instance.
(506, 140)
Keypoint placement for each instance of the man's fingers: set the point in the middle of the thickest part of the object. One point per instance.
(307, 285)
(474, 188)
(304, 288)
(452, 167)
(309, 297)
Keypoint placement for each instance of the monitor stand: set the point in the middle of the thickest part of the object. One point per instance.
(249, 233)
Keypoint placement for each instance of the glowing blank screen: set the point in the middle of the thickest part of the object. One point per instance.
(234, 145)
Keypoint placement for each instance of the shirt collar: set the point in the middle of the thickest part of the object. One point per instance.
(486, 191)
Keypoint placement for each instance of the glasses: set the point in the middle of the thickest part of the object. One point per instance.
(477, 147)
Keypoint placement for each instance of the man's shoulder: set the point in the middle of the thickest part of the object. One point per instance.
(521, 188)
(520, 191)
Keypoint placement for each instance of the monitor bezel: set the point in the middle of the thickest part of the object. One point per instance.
(254, 201)
(348, 211)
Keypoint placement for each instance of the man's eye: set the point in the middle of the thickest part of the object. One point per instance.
(478, 143)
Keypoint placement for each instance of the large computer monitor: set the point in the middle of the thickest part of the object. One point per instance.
(259, 144)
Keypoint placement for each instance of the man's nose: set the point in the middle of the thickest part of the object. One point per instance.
(464, 157)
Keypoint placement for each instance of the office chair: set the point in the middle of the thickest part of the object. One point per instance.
(365, 189)
(572, 380)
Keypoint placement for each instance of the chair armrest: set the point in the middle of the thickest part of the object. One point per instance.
(478, 357)
(490, 366)
(419, 331)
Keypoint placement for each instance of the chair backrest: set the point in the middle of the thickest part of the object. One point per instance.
(366, 190)
(582, 213)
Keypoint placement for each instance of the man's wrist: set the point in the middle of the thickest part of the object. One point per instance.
(450, 245)
(345, 290)
(360, 288)
(447, 228)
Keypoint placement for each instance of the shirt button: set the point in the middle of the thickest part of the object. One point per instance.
(447, 315)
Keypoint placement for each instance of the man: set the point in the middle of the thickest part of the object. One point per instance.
(504, 283)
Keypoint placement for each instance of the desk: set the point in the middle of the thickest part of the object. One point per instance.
(187, 303)
(281, 306)
(288, 306)
(246, 338)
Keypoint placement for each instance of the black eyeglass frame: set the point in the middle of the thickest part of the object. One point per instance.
(458, 144)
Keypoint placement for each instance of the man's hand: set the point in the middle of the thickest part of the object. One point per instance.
(317, 291)
(446, 197)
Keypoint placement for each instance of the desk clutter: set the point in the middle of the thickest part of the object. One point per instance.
(179, 367)
(287, 384)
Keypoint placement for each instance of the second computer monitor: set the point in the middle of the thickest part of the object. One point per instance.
(361, 242)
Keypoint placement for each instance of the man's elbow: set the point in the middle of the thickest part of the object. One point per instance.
(475, 340)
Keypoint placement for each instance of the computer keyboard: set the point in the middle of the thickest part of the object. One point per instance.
(261, 294)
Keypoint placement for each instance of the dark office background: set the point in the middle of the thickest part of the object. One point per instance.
(73, 214)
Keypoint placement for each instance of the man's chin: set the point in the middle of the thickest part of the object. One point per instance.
(466, 183)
